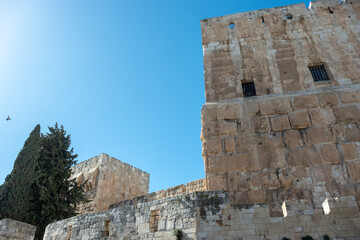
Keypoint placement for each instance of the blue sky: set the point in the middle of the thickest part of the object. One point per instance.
(123, 77)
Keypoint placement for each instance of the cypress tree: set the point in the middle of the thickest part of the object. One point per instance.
(56, 196)
(15, 193)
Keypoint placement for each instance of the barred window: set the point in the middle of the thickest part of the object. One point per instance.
(319, 73)
(248, 89)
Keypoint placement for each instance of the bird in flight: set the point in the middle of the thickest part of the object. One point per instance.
(8, 118)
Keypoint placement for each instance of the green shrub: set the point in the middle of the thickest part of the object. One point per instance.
(326, 237)
(178, 234)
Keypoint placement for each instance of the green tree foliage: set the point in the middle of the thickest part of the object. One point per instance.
(55, 196)
(38, 190)
(15, 193)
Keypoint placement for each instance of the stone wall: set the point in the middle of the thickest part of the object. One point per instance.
(302, 145)
(274, 47)
(109, 181)
(209, 215)
(14, 230)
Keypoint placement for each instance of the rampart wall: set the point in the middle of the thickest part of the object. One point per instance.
(210, 215)
(109, 181)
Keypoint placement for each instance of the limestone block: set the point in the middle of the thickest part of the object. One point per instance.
(322, 173)
(249, 109)
(208, 113)
(229, 144)
(11, 230)
(257, 196)
(273, 158)
(275, 107)
(322, 117)
(304, 156)
(354, 170)
(305, 102)
(299, 120)
(245, 125)
(266, 142)
(330, 153)
(280, 123)
(219, 129)
(293, 139)
(245, 142)
(350, 97)
(317, 135)
(228, 112)
(349, 151)
(349, 113)
(242, 162)
(215, 182)
(261, 124)
(212, 146)
(328, 100)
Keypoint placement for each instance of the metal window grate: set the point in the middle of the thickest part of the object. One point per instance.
(248, 89)
(319, 73)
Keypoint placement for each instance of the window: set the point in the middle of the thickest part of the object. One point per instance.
(318, 72)
(68, 235)
(154, 220)
(248, 89)
(107, 228)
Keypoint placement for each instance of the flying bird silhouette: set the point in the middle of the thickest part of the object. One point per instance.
(8, 118)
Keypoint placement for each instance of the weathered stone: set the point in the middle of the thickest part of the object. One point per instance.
(261, 124)
(346, 133)
(229, 145)
(208, 113)
(245, 125)
(280, 123)
(354, 170)
(245, 142)
(328, 100)
(268, 142)
(257, 196)
(218, 129)
(346, 114)
(228, 112)
(212, 146)
(299, 120)
(278, 106)
(349, 151)
(304, 156)
(272, 159)
(243, 162)
(293, 139)
(322, 117)
(109, 181)
(330, 153)
(14, 230)
(350, 97)
(316, 135)
(305, 102)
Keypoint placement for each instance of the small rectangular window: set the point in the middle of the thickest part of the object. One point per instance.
(154, 220)
(68, 235)
(107, 228)
(319, 73)
(248, 89)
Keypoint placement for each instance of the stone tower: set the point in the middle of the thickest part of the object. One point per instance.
(281, 119)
